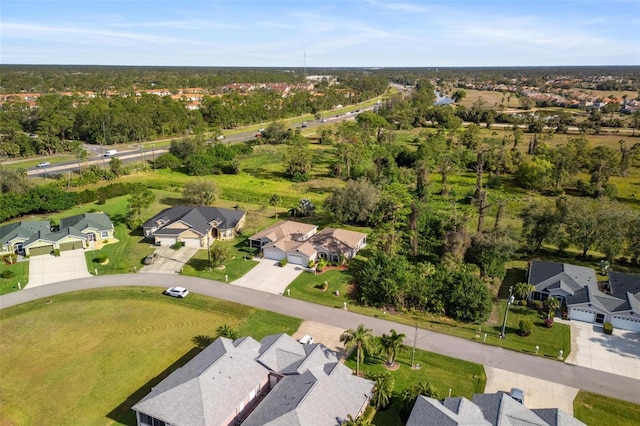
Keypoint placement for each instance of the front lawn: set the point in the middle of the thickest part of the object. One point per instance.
(461, 378)
(87, 357)
(239, 263)
(594, 409)
(20, 272)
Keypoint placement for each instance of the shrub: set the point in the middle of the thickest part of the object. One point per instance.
(283, 262)
(524, 327)
(522, 303)
(548, 322)
(56, 252)
(101, 258)
(537, 305)
(608, 328)
(7, 273)
(310, 264)
(178, 245)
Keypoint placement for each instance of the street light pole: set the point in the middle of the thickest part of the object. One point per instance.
(413, 353)
(509, 302)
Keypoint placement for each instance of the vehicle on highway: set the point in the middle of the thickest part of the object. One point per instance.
(180, 292)
(220, 137)
(324, 120)
(150, 259)
(304, 126)
(306, 340)
(44, 164)
(110, 153)
(517, 394)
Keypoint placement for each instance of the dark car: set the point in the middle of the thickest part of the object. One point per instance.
(517, 394)
(150, 259)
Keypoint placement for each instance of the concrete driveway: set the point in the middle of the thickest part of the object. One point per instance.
(538, 393)
(169, 260)
(269, 277)
(47, 268)
(322, 333)
(618, 353)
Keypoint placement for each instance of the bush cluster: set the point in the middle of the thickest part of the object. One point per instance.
(608, 328)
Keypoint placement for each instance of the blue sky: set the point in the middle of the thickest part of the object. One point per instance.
(347, 33)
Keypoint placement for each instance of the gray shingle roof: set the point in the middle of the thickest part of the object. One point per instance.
(496, 409)
(24, 229)
(319, 396)
(198, 218)
(550, 275)
(621, 284)
(207, 389)
(33, 231)
(98, 221)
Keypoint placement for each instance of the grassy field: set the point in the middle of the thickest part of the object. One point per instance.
(593, 409)
(461, 378)
(87, 357)
(21, 275)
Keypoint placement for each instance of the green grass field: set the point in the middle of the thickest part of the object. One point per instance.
(87, 357)
(238, 264)
(461, 377)
(593, 409)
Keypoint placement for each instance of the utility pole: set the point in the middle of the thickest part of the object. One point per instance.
(413, 353)
(509, 302)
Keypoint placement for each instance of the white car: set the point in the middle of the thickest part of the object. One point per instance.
(180, 292)
(306, 340)
(220, 137)
(44, 164)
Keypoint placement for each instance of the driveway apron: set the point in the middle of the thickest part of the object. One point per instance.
(270, 277)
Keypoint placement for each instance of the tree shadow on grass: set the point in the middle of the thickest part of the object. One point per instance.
(199, 264)
(123, 413)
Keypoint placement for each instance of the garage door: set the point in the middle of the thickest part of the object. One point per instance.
(36, 251)
(298, 259)
(71, 245)
(581, 315)
(165, 241)
(192, 242)
(273, 254)
(625, 323)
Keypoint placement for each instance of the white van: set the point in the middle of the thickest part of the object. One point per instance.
(110, 153)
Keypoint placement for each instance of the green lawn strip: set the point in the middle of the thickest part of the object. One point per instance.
(550, 341)
(21, 275)
(463, 378)
(239, 263)
(594, 409)
(86, 357)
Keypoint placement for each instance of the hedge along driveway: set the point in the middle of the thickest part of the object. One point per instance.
(46, 268)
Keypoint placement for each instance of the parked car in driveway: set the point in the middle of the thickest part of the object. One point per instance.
(306, 340)
(150, 259)
(517, 394)
(180, 292)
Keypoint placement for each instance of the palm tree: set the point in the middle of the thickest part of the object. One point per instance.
(202, 341)
(522, 290)
(225, 331)
(358, 421)
(361, 339)
(410, 395)
(551, 304)
(391, 345)
(383, 389)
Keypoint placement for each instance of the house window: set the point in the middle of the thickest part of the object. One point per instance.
(105, 234)
(599, 318)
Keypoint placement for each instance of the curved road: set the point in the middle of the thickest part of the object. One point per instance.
(579, 377)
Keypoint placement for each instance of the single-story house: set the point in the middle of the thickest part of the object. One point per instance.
(616, 301)
(301, 243)
(490, 409)
(31, 238)
(194, 226)
(277, 381)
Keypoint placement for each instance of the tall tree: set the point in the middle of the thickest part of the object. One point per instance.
(275, 200)
(360, 339)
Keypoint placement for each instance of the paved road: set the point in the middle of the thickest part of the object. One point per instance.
(579, 377)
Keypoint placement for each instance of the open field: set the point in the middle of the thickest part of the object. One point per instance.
(593, 409)
(87, 357)
(462, 378)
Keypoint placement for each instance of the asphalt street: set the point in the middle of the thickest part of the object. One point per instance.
(596, 381)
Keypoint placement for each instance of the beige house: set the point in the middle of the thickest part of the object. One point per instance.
(194, 226)
(301, 243)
